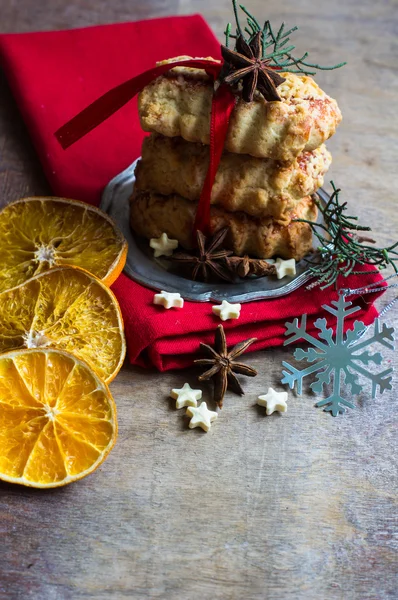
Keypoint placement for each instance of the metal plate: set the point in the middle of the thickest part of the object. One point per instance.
(141, 266)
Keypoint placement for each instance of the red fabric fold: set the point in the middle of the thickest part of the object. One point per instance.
(53, 76)
(168, 339)
(56, 74)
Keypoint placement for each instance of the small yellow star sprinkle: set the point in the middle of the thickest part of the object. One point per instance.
(186, 396)
(273, 401)
(201, 416)
(168, 300)
(285, 267)
(163, 245)
(226, 311)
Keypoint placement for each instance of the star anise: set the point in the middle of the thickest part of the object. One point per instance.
(244, 266)
(223, 366)
(210, 257)
(247, 65)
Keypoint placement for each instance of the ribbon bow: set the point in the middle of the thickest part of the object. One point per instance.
(223, 103)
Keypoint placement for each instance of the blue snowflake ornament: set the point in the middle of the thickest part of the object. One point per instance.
(340, 355)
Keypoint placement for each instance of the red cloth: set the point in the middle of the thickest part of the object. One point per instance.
(54, 75)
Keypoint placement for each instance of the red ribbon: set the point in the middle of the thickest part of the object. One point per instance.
(222, 106)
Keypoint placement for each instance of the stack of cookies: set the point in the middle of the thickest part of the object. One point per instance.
(274, 160)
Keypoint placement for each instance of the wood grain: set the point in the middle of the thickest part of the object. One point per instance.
(299, 506)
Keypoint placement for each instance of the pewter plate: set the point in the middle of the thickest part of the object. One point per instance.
(154, 273)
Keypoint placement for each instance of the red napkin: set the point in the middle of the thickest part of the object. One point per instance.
(56, 74)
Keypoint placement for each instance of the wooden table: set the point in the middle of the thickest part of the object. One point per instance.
(299, 506)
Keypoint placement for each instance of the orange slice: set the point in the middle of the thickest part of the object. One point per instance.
(68, 309)
(39, 233)
(57, 418)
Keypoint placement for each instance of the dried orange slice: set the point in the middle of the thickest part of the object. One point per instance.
(39, 233)
(57, 418)
(68, 309)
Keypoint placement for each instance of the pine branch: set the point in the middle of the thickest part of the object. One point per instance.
(280, 55)
(340, 248)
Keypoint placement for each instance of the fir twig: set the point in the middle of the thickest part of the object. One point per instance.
(340, 248)
(275, 46)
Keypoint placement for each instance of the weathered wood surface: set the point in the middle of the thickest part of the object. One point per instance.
(299, 506)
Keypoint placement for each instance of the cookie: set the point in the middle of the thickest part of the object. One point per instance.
(178, 104)
(258, 187)
(152, 214)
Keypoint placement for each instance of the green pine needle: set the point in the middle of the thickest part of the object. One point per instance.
(236, 12)
(228, 34)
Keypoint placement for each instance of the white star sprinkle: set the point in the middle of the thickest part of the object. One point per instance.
(201, 416)
(186, 396)
(285, 267)
(163, 245)
(226, 311)
(273, 401)
(168, 300)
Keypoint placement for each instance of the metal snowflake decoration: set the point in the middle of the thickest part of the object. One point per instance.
(338, 355)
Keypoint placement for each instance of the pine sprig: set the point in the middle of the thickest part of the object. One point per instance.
(341, 249)
(275, 45)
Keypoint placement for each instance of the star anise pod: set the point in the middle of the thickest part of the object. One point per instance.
(244, 266)
(223, 365)
(246, 64)
(210, 257)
